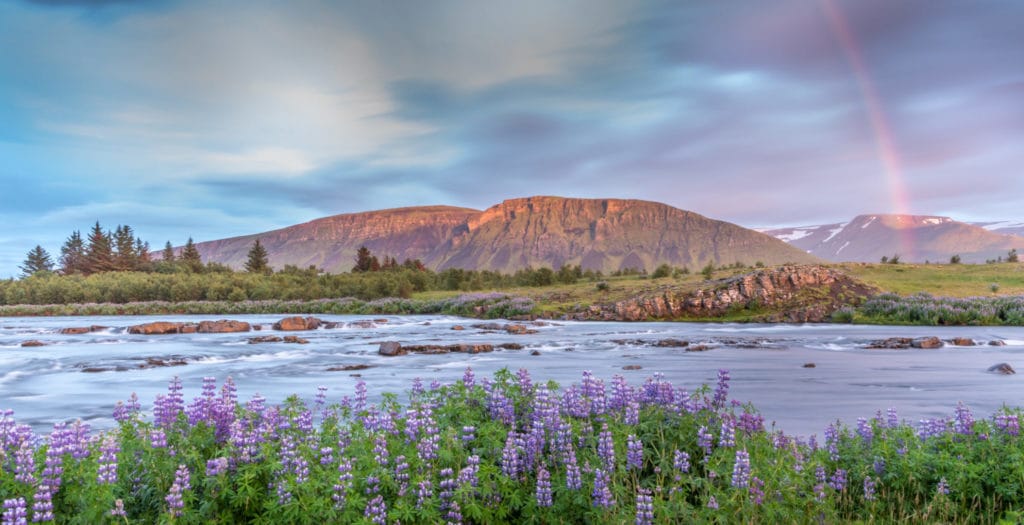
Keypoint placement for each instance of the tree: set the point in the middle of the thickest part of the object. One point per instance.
(895, 259)
(364, 260)
(72, 255)
(258, 261)
(663, 270)
(1012, 256)
(36, 261)
(99, 254)
(126, 257)
(955, 259)
(168, 254)
(190, 256)
(708, 271)
(142, 253)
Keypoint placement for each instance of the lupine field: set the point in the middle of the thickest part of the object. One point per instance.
(506, 450)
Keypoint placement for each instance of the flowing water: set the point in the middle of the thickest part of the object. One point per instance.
(82, 376)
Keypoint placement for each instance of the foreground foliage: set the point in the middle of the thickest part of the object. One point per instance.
(925, 309)
(505, 450)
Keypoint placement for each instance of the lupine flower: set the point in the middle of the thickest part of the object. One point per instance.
(712, 503)
(175, 503)
(942, 487)
(757, 490)
(573, 477)
(24, 463)
(727, 435)
(543, 492)
(602, 495)
(340, 489)
(721, 390)
(634, 453)
(704, 441)
(1008, 423)
(216, 466)
(632, 412)
(864, 430)
(606, 448)
(838, 480)
(402, 475)
(107, 473)
(360, 396)
(469, 379)
(681, 461)
(832, 440)
(118, 510)
(14, 512)
(424, 491)
(525, 384)
(964, 420)
(869, 488)
(892, 419)
(741, 470)
(644, 507)
(376, 511)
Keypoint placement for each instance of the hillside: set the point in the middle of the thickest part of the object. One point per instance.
(600, 234)
(915, 238)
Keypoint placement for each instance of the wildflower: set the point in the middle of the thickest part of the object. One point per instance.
(376, 510)
(757, 490)
(727, 435)
(107, 473)
(864, 430)
(741, 470)
(838, 480)
(24, 463)
(712, 503)
(681, 461)
(468, 378)
(634, 453)
(175, 503)
(644, 507)
(606, 448)
(869, 488)
(216, 466)
(721, 390)
(602, 495)
(964, 420)
(14, 512)
(942, 487)
(704, 441)
(424, 491)
(118, 510)
(543, 492)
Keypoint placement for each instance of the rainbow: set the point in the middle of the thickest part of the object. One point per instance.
(888, 154)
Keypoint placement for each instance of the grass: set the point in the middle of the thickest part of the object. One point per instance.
(948, 280)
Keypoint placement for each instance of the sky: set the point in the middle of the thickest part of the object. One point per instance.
(215, 119)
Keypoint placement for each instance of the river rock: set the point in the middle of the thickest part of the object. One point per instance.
(458, 327)
(511, 346)
(927, 343)
(162, 328)
(672, 343)
(391, 348)
(632, 367)
(362, 323)
(535, 352)
(488, 326)
(297, 323)
(223, 326)
(518, 329)
(471, 349)
(264, 339)
(892, 343)
(997, 342)
(32, 343)
(810, 365)
(78, 330)
(158, 362)
(1002, 368)
(698, 348)
(295, 339)
(963, 341)
(348, 368)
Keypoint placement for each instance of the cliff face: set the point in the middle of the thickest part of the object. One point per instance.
(797, 293)
(600, 234)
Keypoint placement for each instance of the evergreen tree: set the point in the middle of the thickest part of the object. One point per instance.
(258, 261)
(190, 256)
(126, 257)
(36, 261)
(1012, 257)
(142, 253)
(364, 260)
(72, 255)
(99, 255)
(168, 253)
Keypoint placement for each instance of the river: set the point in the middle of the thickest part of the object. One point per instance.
(47, 384)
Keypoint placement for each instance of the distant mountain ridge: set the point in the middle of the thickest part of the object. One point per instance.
(915, 238)
(600, 234)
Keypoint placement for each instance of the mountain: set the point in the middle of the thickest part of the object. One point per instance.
(600, 234)
(915, 238)
(1004, 227)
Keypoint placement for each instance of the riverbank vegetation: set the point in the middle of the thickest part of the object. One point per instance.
(506, 450)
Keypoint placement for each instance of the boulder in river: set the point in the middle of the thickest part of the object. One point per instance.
(962, 341)
(32, 343)
(892, 343)
(295, 339)
(78, 330)
(997, 342)
(297, 323)
(348, 368)
(391, 348)
(927, 342)
(264, 339)
(518, 329)
(162, 328)
(1002, 368)
(672, 343)
(632, 367)
(223, 326)
(698, 348)
(810, 365)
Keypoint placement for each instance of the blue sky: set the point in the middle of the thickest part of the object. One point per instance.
(215, 119)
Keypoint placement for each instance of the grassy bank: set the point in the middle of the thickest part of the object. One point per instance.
(507, 450)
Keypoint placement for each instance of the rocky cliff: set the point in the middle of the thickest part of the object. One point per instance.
(785, 294)
(600, 234)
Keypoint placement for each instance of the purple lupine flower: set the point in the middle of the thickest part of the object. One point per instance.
(573, 477)
(417, 388)
(879, 466)
(118, 510)
(157, 438)
(360, 396)
(326, 455)
(402, 475)
(644, 507)
(216, 466)
(1008, 423)
(712, 503)
(511, 464)
(340, 489)
(543, 492)
(864, 430)
(721, 390)
(602, 495)
(107, 472)
(832, 440)
(751, 424)
(78, 440)
(634, 453)
(468, 434)
(964, 420)
(468, 475)
(380, 450)
(892, 419)
(681, 462)
(632, 412)
(606, 448)
(838, 480)
(24, 463)
(927, 428)
(525, 384)
(469, 379)
(869, 489)
(622, 393)
(942, 487)
(175, 503)
(501, 407)
(42, 502)
(756, 490)
(727, 434)
(704, 441)
(376, 510)
(424, 491)
(14, 512)
(741, 470)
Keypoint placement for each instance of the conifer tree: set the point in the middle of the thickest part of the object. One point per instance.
(258, 261)
(72, 255)
(364, 260)
(168, 253)
(190, 256)
(37, 260)
(99, 255)
(126, 257)
(141, 253)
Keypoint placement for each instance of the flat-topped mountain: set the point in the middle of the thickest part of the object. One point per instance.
(600, 234)
(915, 238)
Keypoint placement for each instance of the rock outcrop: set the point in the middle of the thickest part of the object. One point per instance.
(79, 330)
(1002, 368)
(804, 293)
(223, 326)
(163, 328)
(297, 323)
